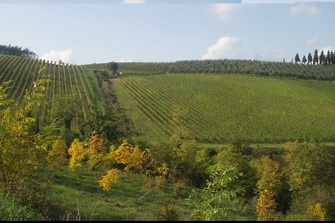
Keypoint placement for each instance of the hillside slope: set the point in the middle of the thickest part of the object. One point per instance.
(224, 108)
(64, 80)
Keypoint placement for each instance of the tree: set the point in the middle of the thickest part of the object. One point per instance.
(16, 51)
(266, 206)
(77, 152)
(268, 173)
(328, 57)
(112, 124)
(65, 108)
(304, 60)
(96, 144)
(57, 154)
(332, 57)
(96, 151)
(239, 156)
(297, 58)
(316, 57)
(213, 201)
(308, 165)
(126, 154)
(322, 58)
(309, 58)
(109, 179)
(22, 151)
(113, 66)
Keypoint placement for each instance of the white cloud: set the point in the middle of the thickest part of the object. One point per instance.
(134, 1)
(273, 55)
(311, 42)
(225, 11)
(306, 9)
(222, 49)
(326, 49)
(123, 60)
(65, 56)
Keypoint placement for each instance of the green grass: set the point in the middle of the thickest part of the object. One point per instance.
(79, 192)
(224, 108)
(12, 211)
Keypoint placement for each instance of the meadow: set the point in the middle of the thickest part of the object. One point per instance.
(224, 108)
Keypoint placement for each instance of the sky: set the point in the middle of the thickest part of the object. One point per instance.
(101, 31)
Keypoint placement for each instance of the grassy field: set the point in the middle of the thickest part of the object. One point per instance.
(224, 108)
(79, 192)
(80, 195)
(13, 211)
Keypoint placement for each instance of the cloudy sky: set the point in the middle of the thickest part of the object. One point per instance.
(97, 31)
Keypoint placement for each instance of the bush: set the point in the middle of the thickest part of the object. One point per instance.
(168, 213)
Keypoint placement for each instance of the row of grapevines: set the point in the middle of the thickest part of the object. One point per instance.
(220, 108)
(64, 80)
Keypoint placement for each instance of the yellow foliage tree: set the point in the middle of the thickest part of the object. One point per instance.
(96, 151)
(268, 173)
(77, 152)
(317, 212)
(57, 154)
(96, 145)
(266, 206)
(131, 157)
(109, 179)
(21, 151)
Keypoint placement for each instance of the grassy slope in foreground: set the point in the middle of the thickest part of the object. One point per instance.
(221, 108)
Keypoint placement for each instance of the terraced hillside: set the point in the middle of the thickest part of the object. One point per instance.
(221, 108)
(64, 80)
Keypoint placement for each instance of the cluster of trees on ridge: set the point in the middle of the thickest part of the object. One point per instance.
(253, 67)
(324, 58)
(17, 51)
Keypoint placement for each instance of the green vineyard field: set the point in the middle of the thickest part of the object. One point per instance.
(224, 108)
(64, 80)
(134, 68)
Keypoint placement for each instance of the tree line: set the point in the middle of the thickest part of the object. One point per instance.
(254, 67)
(325, 58)
(17, 51)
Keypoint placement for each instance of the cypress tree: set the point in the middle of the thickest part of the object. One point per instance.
(309, 58)
(316, 57)
(297, 58)
(304, 60)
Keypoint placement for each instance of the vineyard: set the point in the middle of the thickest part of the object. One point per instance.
(65, 80)
(135, 68)
(223, 108)
(253, 67)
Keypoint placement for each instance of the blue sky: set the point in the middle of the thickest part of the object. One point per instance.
(98, 31)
